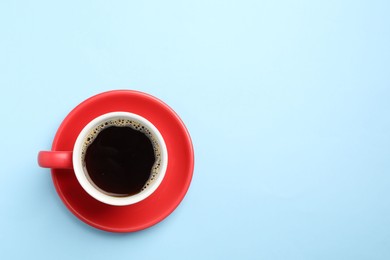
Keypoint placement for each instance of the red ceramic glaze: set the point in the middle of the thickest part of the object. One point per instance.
(157, 206)
(55, 159)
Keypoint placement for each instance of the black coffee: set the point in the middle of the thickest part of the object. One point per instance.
(119, 159)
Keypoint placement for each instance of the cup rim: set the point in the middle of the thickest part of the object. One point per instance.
(87, 185)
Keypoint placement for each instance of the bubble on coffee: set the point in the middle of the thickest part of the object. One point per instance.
(122, 123)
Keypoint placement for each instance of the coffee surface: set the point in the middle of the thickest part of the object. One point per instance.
(120, 160)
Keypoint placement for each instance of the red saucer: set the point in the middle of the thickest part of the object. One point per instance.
(168, 195)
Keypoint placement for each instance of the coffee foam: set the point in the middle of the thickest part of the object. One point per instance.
(134, 125)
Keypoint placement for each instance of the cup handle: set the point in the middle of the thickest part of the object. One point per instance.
(55, 159)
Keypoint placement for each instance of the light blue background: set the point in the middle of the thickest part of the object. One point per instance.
(287, 103)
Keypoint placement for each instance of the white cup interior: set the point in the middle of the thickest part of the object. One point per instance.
(83, 177)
